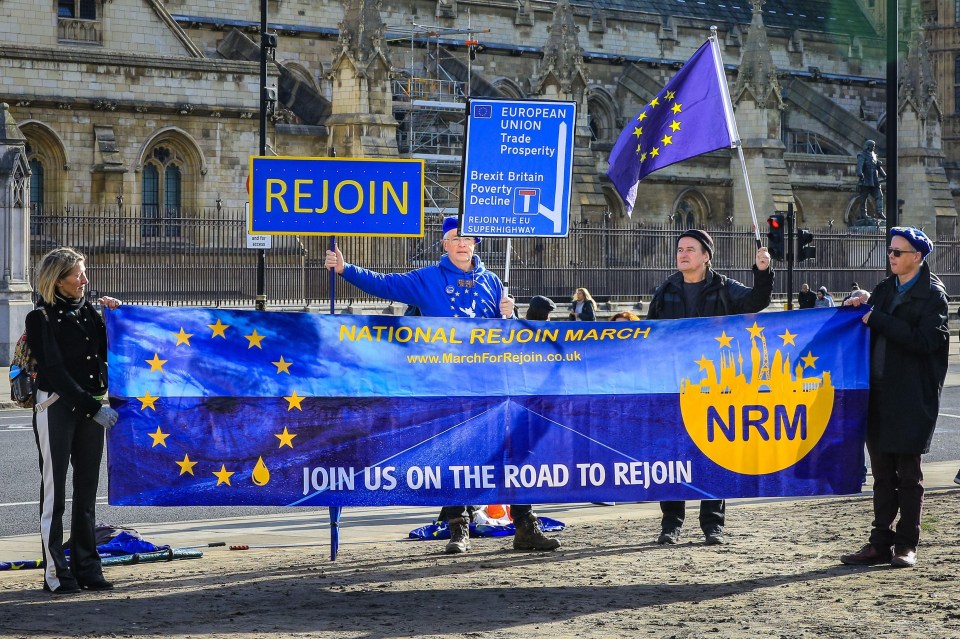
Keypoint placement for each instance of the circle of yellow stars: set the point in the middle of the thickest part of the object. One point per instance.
(149, 401)
(674, 126)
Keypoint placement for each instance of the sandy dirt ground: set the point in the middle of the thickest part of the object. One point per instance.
(778, 576)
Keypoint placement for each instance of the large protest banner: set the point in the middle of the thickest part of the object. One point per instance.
(223, 407)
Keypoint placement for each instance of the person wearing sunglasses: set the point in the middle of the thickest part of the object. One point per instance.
(457, 286)
(909, 342)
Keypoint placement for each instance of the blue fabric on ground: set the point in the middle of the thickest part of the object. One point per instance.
(442, 531)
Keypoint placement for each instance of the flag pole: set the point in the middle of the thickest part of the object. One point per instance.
(732, 126)
(506, 273)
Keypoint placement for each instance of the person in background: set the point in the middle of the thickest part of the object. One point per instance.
(457, 286)
(909, 345)
(696, 290)
(824, 300)
(582, 308)
(625, 316)
(68, 338)
(806, 298)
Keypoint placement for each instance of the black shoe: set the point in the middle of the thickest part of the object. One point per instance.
(67, 587)
(714, 537)
(669, 536)
(98, 583)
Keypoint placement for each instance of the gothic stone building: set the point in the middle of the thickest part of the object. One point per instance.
(156, 102)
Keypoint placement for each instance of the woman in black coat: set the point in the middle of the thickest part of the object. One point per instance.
(583, 308)
(68, 338)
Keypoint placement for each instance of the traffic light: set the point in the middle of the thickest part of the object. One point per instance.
(804, 250)
(775, 236)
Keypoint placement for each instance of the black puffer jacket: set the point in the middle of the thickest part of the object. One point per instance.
(906, 399)
(74, 365)
(721, 296)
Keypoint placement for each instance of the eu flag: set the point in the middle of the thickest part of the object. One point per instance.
(687, 118)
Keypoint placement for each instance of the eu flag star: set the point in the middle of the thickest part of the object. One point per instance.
(755, 330)
(676, 108)
(254, 339)
(186, 466)
(156, 364)
(283, 366)
(223, 475)
(703, 362)
(642, 116)
(674, 126)
(809, 360)
(286, 438)
(724, 339)
(787, 338)
(148, 400)
(159, 438)
(671, 95)
(219, 329)
(183, 337)
(654, 152)
(638, 131)
(667, 140)
(655, 102)
(638, 148)
(294, 401)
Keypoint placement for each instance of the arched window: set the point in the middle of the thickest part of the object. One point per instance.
(162, 194)
(691, 210)
(36, 194)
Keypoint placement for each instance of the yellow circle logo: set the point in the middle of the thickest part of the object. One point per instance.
(759, 423)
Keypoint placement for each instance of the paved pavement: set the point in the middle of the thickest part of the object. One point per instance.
(365, 525)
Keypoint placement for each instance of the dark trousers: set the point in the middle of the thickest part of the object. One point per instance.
(712, 512)
(452, 512)
(897, 487)
(64, 438)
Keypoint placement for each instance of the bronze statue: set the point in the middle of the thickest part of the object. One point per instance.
(869, 173)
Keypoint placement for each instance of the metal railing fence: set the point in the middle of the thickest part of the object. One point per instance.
(200, 258)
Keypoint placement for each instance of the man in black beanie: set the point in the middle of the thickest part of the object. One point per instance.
(695, 290)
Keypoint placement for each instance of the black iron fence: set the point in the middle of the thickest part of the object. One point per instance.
(200, 258)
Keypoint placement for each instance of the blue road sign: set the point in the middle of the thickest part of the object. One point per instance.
(336, 196)
(517, 168)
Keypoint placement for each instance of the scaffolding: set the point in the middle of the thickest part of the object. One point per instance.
(429, 102)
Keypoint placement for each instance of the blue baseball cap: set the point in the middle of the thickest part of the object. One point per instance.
(451, 224)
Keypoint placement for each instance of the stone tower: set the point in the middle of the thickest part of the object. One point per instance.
(758, 105)
(15, 290)
(922, 180)
(562, 76)
(361, 124)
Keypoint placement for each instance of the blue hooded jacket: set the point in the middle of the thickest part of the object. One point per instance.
(441, 290)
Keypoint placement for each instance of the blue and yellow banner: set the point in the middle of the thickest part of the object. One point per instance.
(223, 407)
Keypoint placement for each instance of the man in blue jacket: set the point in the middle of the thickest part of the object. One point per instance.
(457, 286)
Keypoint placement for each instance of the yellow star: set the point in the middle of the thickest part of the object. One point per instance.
(156, 364)
(294, 401)
(755, 330)
(643, 157)
(655, 102)
(223, 475)
(703, 362)
(219, 329)
(654, 152)
(186, 466)
(674, 126)
(638, 148)
(148, 400)
(283, 366)
(254, 338)
(286, 438)
(809, 359)
(671, 95)
(788, 338)
(676, 108)
(638, 131)
(667, 140)
(724, 339)
(159, 437)
(183, 337)
(642, 116)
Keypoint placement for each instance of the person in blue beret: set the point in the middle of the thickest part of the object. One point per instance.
(909, 341)
(457, 286)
